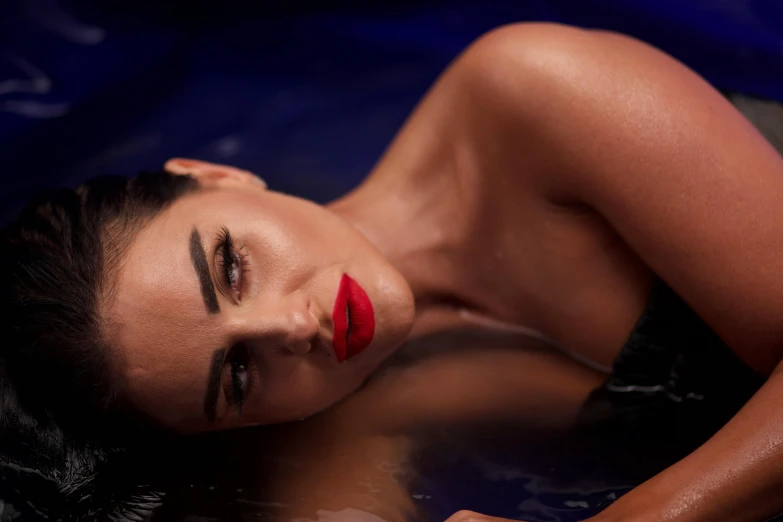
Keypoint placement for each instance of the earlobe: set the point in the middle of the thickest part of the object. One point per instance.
(213, 174)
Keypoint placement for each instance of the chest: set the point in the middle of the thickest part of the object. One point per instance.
(557, 270)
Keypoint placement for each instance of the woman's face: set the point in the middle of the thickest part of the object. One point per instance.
(238, 305)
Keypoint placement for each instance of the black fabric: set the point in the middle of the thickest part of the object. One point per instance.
(673, 385)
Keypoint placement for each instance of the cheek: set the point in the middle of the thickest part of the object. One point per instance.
(304, 227)
(279, 256)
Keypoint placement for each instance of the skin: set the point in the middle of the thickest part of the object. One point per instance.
(540, 184)
(296, 253)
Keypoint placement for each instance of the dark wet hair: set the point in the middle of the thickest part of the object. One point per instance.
(61, 417)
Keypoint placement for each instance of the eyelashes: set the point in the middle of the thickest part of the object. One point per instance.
(231, 261)
(231, 266)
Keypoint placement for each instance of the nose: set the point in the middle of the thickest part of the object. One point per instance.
(288, 323)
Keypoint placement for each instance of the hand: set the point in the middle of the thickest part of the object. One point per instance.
(472, 516)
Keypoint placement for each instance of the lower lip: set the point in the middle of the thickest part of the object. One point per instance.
(352, 336)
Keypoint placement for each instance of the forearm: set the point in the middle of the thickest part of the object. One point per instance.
(735, 476)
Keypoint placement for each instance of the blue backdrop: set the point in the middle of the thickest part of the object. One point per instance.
(306, 98)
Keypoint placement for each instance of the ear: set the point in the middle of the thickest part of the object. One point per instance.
(213, 174)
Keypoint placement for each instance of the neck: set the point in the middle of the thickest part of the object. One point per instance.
(411, 221)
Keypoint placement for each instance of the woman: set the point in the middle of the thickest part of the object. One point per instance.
(553, 181)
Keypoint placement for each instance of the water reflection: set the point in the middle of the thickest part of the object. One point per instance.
(463, 420)
(457, 421)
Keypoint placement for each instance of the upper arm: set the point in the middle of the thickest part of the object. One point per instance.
(685, 180)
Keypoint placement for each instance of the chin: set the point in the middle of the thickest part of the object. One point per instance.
(401, 306)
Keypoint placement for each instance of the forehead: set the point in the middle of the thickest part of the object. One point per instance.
(163, 333)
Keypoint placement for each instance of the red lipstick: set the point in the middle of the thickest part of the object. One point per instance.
(354, 320)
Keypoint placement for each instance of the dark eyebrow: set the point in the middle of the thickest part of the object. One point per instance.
(199, 258)
(213, 384)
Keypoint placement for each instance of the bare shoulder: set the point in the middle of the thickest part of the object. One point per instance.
(553, 75)
(594, 105)
(689, 184)
(567, 52)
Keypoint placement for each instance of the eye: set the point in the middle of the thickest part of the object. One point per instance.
(238, 376)
(232, 262)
